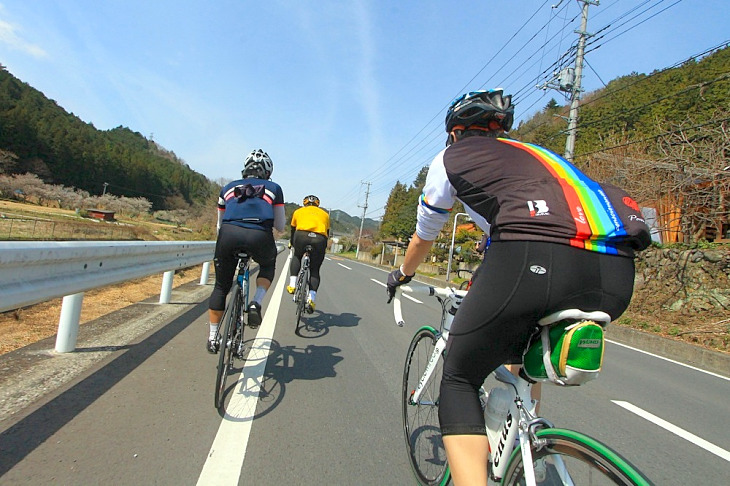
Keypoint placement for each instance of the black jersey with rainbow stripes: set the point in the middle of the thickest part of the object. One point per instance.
(527, 192)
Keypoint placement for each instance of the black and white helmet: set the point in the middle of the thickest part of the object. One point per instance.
(258, 164)
(485, 109)
(311, 200)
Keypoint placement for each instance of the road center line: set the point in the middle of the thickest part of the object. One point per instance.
(688, 436)
(344, 266)
(402, 293)
(225, 459)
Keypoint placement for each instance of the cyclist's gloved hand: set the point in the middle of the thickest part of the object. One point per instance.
(396, 278)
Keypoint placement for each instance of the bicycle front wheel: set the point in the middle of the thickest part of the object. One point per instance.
(425, 446)
(227, 345)
(566, 457)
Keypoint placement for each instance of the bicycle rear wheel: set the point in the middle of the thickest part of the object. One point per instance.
(420, 420)
(301, 292)
(572, 458)
(228, 345)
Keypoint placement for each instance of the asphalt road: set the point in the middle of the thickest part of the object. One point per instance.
(317, 406)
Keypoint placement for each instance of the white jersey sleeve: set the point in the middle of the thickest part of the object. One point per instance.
(436, 201)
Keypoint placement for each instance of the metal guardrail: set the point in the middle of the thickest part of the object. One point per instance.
(32, 272)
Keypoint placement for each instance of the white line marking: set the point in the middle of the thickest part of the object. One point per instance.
(667, 359)
(344, 266)
(402, 293)
(225, 459)
(708, 446)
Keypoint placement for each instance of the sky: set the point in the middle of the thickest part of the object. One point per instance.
(346, 96)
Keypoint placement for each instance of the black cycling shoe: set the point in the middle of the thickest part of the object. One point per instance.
(254, 315)
(212, 347)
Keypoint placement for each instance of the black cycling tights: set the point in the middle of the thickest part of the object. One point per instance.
(518, 283)
(319, 246)
(259, 244)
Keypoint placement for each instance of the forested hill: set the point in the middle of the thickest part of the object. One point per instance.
(636, 110)
(38, 136)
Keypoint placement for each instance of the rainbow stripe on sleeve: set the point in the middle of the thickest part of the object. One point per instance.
(595, 217)
(425, 203)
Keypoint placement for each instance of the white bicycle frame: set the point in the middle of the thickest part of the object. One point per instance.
(501, 444)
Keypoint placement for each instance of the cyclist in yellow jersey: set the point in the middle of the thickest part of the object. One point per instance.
(310, 225)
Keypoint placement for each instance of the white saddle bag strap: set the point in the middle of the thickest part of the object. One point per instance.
(546, 350)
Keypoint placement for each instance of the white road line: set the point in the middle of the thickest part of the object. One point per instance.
(667, 359)
(708, 446)
(344, 266)
(225, 459)
(402, 293)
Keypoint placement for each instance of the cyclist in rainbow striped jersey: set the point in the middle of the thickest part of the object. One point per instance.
(558, 240)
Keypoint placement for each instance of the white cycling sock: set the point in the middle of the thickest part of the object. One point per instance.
(293, 281)
(259, 295)
(312, 295)
(213, 331)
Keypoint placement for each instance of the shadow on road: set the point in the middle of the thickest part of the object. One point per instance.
(283, 365)
(31, 431)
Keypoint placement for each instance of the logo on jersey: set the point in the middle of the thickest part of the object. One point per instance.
(631, 203)
(538, 207)
(581, 215)
(538, 270)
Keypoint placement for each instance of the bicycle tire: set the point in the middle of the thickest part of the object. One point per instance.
(227, 346)
(586, 461)
(302, 285)
(424, 444)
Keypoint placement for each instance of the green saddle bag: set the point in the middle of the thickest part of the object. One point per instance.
(566, 353)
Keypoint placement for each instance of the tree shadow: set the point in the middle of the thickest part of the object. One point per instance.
(24, 436)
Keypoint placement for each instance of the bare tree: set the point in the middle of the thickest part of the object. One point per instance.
(696, 156)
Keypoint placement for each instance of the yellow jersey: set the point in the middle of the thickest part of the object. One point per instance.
(311, 218)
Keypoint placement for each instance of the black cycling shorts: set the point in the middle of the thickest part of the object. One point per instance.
(518, 283)
(258, 243)
(318, 242)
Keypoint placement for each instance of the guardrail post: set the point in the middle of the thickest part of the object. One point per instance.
(68, 324)
(204, 274)
(166, 290)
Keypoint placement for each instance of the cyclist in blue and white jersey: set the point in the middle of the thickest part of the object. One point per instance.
(559, 240)
(248, 211)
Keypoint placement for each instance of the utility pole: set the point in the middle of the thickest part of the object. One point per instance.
(362, 221)
(568, 80)
(104, 191)
(575, 94)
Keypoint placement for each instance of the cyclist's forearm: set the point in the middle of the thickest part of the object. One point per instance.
(417, 250)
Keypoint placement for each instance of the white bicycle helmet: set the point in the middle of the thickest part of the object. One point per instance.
(258, 164)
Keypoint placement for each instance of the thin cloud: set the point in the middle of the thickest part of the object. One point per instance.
(9, 36)
(370, 95)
